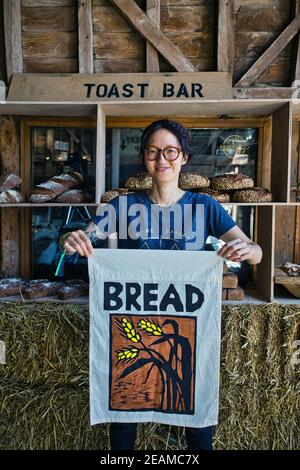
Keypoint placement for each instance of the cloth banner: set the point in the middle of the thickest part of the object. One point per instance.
(155, 336)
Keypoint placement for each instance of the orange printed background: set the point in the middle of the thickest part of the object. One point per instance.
(152, 363)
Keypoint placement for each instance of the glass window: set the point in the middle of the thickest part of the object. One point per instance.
(48, 224)
(57, 150)
(215, 151)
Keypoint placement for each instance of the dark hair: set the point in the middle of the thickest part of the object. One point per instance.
(176, 128)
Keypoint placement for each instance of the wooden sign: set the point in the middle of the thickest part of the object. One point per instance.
(120, 87)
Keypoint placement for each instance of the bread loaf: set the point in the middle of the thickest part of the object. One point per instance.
(140, 181)
(72, 289)
(230, 280)
(235, 294)
(74, 195)
(57, 185)
(9, 181)
(192, 181)
(252, 195)
(38, 288)
(12, 286)
(218, 195)
(109, 195)
(231, 181)
(11, 196)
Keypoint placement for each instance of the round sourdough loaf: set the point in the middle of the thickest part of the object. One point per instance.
(231, 181)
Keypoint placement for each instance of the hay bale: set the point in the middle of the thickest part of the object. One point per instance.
(45, 343)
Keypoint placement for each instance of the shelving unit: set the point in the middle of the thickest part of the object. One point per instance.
(274, 166)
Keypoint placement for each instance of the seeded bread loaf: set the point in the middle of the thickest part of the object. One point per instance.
(72, 289)
(11, 286)
(141, 181)
(218, 195)
(109, 195)
(192, 181)
(38, 288)
(231, 181)
(252, 195)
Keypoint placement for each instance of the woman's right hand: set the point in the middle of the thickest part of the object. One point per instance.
(78, 241)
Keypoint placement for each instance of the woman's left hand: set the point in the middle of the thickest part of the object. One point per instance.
(237, 250)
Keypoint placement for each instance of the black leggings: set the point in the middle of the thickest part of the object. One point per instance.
(122, 437)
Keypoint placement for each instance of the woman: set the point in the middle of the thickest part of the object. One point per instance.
(165, 148)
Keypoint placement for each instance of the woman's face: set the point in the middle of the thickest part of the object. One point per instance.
(161, 169)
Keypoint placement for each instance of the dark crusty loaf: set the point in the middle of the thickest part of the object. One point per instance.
(231, 181)
(72, 289)
(254, 194)
(9, 181)
(192, 181)
(38, 288)
(230, 280)
(218, 195)
(11, 196)
(140, 181)
(11, 286)
(109, 195)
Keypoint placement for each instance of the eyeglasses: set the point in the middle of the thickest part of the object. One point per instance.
(170, 153)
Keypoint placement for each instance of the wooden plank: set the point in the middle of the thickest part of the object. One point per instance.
(265, 227)
(264, 17)
(263, 92)
(10, 242)
(252, 44)
(149, 31)
(50, 65)
(281, 150)
(266, 161)
(47, 3)
(119, 65)
(270, 54)
(197, 45)
(284, 234)
(226, 42)
(100, 154)
(49, 18)
(85, 37)
(9, 223)
(277, 74)
(297, 63)
(294, 158)
(188, 19)
(297, 236)
(153, 12)
(49, 44)
(12, 34)
(118, 46)
(107, 19)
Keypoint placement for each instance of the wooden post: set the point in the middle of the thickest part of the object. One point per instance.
(153, 11)
(9, 217)
(85, 37)
(100, 154)
(226, 40)
(12, 35)
(296, 81)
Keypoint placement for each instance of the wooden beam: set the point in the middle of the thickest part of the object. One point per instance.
(270, 54)
(12, 35)
(226, 40)
(153, 12)
(264, 92)
(85, 36)
(140, 21)
(297, 65)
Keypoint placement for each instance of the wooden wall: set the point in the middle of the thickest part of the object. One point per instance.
(50, 37)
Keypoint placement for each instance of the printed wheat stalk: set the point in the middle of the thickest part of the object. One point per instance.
(150, 327)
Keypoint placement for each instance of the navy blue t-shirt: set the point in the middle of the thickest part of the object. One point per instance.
(195, 217)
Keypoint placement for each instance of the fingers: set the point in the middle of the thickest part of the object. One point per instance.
(236, 250)
(78, 241)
